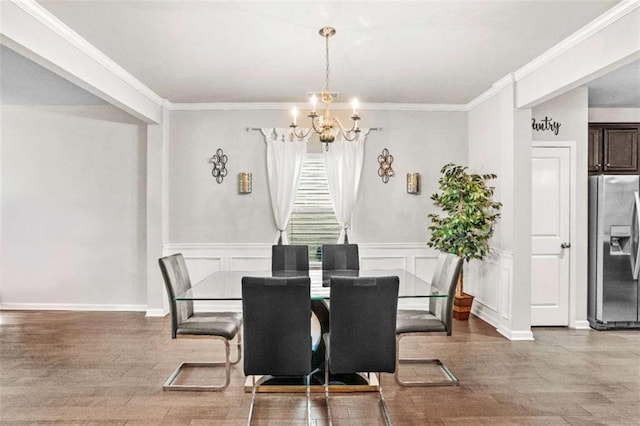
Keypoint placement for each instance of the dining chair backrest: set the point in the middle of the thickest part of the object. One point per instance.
(363, 324)
(277, 327)
(340, 256)
(445, 280)
(176, 281)
(289, 258)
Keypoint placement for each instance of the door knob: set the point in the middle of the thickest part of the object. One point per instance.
(565, 245)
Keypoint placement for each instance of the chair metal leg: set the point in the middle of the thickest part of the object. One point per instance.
(383, 404)
(451, 380)
(309, 400)
(169, 386)
(326, 391)
(239, 348)
(253, 400)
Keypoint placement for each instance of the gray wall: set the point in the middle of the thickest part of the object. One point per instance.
(420, 142)
(73, 207)
(571, 110)
(202, 211)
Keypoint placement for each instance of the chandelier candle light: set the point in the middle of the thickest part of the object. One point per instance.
(325, 125)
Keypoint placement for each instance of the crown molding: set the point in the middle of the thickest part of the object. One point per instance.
(617, 12)
(603, 21)
(66, 33)
(246, 106)
(494, 90)
(227, 106)
(412, 107)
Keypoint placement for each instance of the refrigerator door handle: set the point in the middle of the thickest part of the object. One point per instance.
(635, 257)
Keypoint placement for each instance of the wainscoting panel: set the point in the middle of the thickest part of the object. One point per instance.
(387, 262)
(201, 266)
(250, 263)
(423, 266)
(490, 282)
(506, 282)
(399, 255)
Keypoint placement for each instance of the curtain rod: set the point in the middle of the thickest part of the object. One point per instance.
(249, 129)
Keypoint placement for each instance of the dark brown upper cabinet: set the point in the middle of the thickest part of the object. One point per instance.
(595, 150)
(613, 148)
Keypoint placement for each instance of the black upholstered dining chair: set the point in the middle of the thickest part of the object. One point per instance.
(186, 322)
(289, 258)
(362, 338)
(277, 331)
(437, 319)
(340, 256)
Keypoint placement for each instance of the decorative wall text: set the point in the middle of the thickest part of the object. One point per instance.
(546, 125)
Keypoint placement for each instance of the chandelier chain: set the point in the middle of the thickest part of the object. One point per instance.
(326, 38)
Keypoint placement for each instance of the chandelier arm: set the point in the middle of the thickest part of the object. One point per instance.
(344, 132)
(316, 125)
(301, 134)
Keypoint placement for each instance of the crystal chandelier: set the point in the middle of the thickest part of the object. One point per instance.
(324, 124)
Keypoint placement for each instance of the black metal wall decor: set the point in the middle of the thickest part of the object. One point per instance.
(384, 160)
(219, 161)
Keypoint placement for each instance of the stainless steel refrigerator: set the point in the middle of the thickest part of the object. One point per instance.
(614, 263)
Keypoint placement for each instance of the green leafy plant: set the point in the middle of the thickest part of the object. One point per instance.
(470, 214)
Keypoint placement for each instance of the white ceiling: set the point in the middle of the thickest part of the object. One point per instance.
(431, 52)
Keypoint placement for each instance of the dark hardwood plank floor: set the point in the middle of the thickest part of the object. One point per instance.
(108, 368)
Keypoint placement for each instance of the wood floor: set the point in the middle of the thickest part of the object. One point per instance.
(108, 368)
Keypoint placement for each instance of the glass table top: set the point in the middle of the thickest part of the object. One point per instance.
(227, 285)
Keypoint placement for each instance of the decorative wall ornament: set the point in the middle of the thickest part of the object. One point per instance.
(219, 161)
(384, 160)
(413, 183)
(244, 182)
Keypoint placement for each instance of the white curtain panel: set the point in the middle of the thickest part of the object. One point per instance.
(343, 163)
(284, 164)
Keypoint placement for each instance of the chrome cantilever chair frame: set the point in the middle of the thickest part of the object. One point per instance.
(284, 347)
(362, 340)
(175, 274)
(445, 278)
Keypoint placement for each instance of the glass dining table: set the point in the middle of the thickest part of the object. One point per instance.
(226, 286)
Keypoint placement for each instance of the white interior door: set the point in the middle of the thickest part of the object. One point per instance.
(550, 254)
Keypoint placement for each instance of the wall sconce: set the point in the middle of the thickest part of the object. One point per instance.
(244, 182)
(219, 161)
(385, 171)
(413, 183)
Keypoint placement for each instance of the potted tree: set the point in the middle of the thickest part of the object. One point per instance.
(467, 224)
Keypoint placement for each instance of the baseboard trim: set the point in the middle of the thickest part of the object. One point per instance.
(156, 313)
(71, 307)
(581, 325)
(515, 335)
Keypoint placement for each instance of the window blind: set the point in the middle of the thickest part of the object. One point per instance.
(313, 221)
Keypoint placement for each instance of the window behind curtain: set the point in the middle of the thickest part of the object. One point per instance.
(313, 221)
